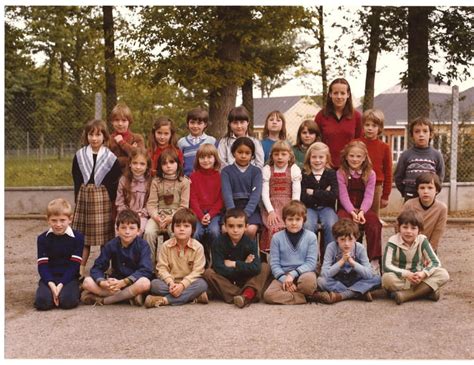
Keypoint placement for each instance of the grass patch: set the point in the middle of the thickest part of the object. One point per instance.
(31, 172)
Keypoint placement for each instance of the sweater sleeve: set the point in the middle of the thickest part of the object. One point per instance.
(145, 267)
(120, 199)
(222, 151)
(76, 177)
(101, 264)
(358, 125)
(343, 193)
(249, 268)
(439, 227)
(198, 267)
(152, 203)
(430, 257)
(185, 192)
(362, 265)
(75, 260)
(324, 196)
(266, 175)
(387, 171)
(275, 260)
(163, 265)
(259, 154)
(369, 193)
(307, 199)
(218, 258)
(295, 182)
(440, 169)
(227, 189)
(388, 261)
(219, 203)
(111, 180)
(330, 266)
(194, 197)
(43, 259)
(400, 170)
(256, 192)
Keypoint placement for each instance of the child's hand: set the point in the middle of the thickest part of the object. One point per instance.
(383, 203)
(411, 277)
(157, 220)
(288, 284)
(135, 144)
(115, 285)
(206, 219)
(176, 289)
(361, 217)
(55, 290)
(273, 219)
(249, 259)
(351, 261)
(229, 263)
(118, 138)
(165, 222)
(355, 217)
(309, 191)
(328, 188)
(420, 276)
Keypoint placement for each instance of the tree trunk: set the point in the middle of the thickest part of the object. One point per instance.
(247, 99)
(110, 84)
(222, 99)
(322, 53)
(418, 62)
(374, 49)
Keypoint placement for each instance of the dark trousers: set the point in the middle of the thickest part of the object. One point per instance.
(68, 297)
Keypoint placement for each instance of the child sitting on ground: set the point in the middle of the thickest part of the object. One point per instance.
(237, 275)
(130, 258)
(59, 257)
(433, 212)
(411, 268)
(293, 256)
(346, 272)
(180, 266)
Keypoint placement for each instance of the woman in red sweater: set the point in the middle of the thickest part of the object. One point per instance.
(206, 196)
(338, 121)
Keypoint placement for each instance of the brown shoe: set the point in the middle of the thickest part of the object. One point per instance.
(136, 300)
(89, 298)
(367, 296)
(327, 297)
(434, 296)
(153, 301)
(202, 298)
(241, 301)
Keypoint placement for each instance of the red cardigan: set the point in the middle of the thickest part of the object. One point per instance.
(381, 157)
(336, 134)
(206, 193)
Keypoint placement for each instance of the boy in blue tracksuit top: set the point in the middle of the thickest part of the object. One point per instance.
(132, 270)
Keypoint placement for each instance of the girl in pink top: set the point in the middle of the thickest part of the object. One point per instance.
(356, 181)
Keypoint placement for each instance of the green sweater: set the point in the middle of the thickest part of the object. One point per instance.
(401, 259)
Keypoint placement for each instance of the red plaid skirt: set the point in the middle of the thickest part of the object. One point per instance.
(93, 215)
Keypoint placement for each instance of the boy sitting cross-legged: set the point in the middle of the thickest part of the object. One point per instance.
(180, 266)
(131, 266)
(346, 272)
(293, 256)
(237, 275)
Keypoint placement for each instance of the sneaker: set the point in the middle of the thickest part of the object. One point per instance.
(367, 296)
(89, 298)
(241, 301)
(202, 298)
(136, 300)
(153, 301)
(434, 295)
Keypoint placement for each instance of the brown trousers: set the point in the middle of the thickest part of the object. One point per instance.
(227, 290)
(305, 285)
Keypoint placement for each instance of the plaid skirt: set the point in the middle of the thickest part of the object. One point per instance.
(93, 215)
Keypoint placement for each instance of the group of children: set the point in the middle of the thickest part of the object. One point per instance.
(188, 213)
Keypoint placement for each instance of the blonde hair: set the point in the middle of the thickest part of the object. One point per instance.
(376, 116)
(320, 147)
(59, 206)
(366, 165)
(278, 114)
(281, 146)
(121, 110)
(207, 149)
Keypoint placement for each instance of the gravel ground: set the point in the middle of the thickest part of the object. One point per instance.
(347, 330)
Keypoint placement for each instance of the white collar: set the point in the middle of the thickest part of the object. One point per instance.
(68, 231)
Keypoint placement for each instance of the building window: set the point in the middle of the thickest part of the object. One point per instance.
(398, 145)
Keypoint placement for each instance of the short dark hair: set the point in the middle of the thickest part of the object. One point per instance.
(184, 215)
(95, 125)
(128, 216)
(412, 217)
(345, 228)
(421, 121)
(198, 113)
(428, 178)
(294, 207)
(235, 213)
(243, 141)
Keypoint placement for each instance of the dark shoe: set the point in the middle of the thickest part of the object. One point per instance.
(241, 301)
(434, 296)
(89, 298)
(202, 298)
(137, 300)
(327, 297)
(367, 296)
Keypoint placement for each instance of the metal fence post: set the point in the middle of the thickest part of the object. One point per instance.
(98, 106)
(454, 151)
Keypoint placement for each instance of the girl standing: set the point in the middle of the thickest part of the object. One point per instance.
(281, 184)
(206, 196)
(134, 186)
(308, 133)
(95, 171)
(356, 181)
(242, 184)
(162, 137)
(319, 190)
(274, 130)
(339, 122)
(238, 126)
(169, 191)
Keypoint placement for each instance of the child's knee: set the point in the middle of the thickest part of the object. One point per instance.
(68, 302)
(142, 285)
(43, 303)
(88, 283)
(390, 281)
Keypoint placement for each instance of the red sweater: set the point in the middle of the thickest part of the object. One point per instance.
(336, 134)
(206, 193)
(381, 157)
(156, 155)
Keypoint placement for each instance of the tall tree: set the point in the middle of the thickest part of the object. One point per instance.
(109, 52)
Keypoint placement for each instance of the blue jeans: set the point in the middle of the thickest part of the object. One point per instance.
(212, 230)
(324, 215)
(159, 287)
(360, 285)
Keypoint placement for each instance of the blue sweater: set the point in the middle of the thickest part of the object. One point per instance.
(189, 150)
(242, 185)
(132, 262)
(59, 257)
(294, 260)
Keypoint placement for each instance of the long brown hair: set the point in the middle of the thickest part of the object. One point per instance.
(348, 110)
(366, 165)
(162, 121)
(312, 128)
(169, 154)
(278, 114)
(128, 174)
